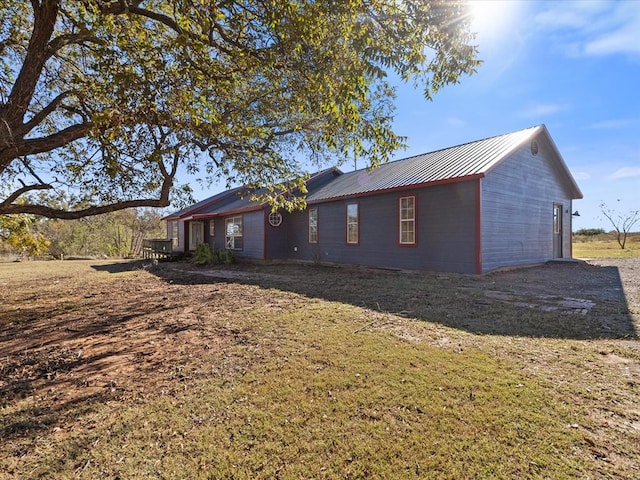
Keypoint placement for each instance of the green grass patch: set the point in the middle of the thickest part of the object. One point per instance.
(605, 249)
(110, 370)
(605, 246)
(311, 397)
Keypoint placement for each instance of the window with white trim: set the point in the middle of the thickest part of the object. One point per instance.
(233, 233)
(352, 224)
(313, 225)
(407, 227)
(212, 228)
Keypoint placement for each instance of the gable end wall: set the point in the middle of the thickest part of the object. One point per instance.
(517, 209)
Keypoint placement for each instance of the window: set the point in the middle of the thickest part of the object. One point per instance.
(313, 225)
(557, 218)
(174, 234)
(233, 240)
(275, 219)
(352, 224)
(407, 221)
(212, 228)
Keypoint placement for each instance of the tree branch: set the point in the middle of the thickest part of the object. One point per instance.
(120, 8)
(44, 113)
(158, 17)
(7, 208)
(45, 15)
(49, 212)
(44, 144)
(70, 39)
(18, 193)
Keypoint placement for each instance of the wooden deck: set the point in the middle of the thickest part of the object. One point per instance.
(157, 248)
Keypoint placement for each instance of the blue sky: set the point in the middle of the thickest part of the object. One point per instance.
(574, 66)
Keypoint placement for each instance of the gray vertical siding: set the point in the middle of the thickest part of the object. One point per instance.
(445, 231)
(253, 233)
(277, 242)
(217, 240)
(181, 235)
(517, 209)
(168, 226)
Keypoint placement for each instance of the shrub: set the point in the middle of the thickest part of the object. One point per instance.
(227, 256)
(204, 255)
(207, 255)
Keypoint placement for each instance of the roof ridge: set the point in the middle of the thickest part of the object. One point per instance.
(462, 144)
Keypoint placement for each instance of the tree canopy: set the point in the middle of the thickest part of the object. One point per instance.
(109, 100)
(16, 231)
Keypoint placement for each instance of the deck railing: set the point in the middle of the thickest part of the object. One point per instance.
(157, 248)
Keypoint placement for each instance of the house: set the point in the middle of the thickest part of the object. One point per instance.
(472, 208)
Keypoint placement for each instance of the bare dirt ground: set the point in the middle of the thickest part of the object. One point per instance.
(70, 337)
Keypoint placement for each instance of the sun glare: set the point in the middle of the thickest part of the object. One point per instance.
(492, 19)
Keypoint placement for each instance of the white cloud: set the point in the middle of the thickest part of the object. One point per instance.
(592, 28)
(456, 122)
(625, 172)
(624, 39)
(576, 15)
(582, 176)
(613, 124)
(543, 110)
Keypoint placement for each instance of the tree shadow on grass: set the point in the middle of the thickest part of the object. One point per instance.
(61, 360)
(554, 300)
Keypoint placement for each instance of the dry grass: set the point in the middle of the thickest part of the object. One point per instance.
(111, 371)
(605, 246)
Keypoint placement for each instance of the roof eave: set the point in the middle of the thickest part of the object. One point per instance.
(497, 161)
(577, 193)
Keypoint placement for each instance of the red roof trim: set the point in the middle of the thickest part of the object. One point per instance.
(212, 202)
(191, 212)
(227, 213)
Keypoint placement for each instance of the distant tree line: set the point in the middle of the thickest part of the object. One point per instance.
(115, 234)
(590, 232)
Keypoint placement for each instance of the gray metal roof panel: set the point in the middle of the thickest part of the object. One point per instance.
(203, 205)
(469, 159)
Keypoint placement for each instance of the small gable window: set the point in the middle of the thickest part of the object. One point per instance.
(275, 219)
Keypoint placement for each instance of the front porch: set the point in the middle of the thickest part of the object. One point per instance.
(159, 249)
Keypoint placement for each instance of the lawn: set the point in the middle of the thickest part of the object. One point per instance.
(122, 370)
(605, 246)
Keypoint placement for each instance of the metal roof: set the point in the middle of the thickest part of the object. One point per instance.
(240, 199)
(447, 165)
(202, 205)
(452, 164)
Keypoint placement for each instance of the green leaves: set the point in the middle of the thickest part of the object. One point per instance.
(17, 232)
(261, 86)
